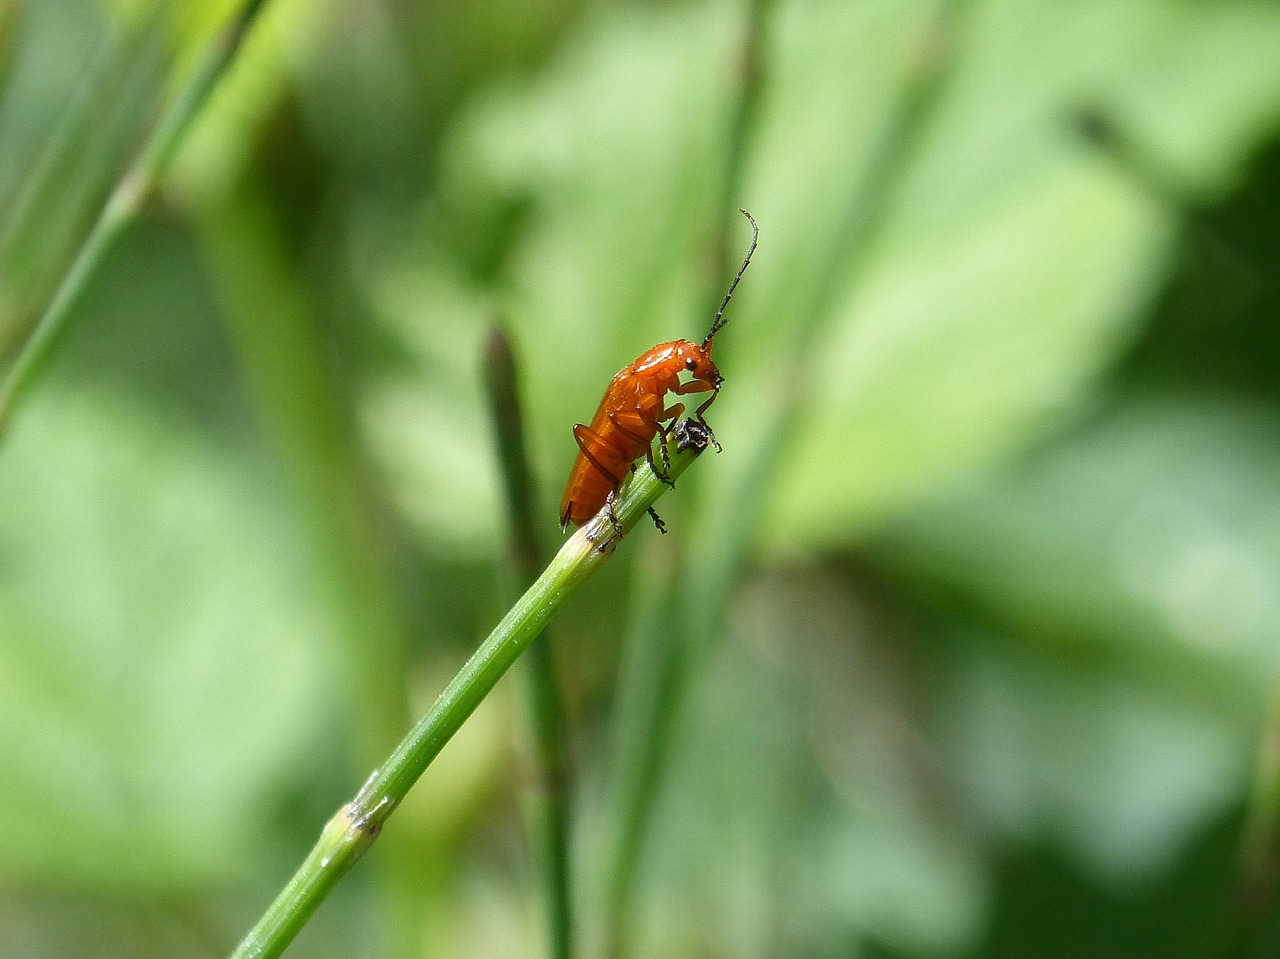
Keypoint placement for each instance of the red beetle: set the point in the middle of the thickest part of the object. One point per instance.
(634, 411)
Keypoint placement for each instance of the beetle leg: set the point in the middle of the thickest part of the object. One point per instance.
(592, 443)
(698, 415)
(670, 413)
(701, 386)
(611, 515)
(693, 386)
(655, 428)
(633, 421)
(657, 521)
(664, 433)
(662, 474)
(661, 432)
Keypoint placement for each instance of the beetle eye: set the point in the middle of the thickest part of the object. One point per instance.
(691, 364)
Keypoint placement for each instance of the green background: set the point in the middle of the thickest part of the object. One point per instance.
(968, 634)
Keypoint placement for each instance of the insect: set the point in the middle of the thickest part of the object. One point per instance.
(634, 411)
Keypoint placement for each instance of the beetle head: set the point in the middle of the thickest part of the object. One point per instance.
(696, 360)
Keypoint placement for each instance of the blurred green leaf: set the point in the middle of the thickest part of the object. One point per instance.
(802, 815)
(1015, 261)
(222, 144)
(426, 423)
(157, 649)
(1077, 640)
(1133, 567)
(1152, 531)
(1118, 775)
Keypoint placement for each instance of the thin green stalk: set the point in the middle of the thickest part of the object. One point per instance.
(43, 173)
(547, 797)
(8, 16)
(123, 206)
(1257, 905)
(95, 134)
(703, 583)
(357, 824)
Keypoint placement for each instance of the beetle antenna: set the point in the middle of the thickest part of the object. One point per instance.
(718, 323)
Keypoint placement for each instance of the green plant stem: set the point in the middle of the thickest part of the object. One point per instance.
(358, 823)
(47, 173)
(547, 797)
(8, 16)
(1257, 891)
(123, 206)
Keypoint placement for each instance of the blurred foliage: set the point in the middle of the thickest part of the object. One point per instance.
(993, 531)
